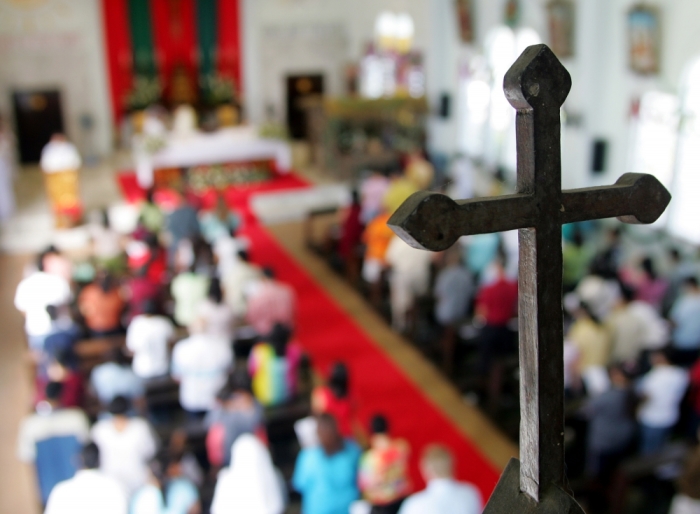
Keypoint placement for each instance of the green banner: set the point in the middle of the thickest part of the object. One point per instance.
(142, 38)
(207, 35)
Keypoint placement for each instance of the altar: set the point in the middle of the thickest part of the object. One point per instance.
(225, 146)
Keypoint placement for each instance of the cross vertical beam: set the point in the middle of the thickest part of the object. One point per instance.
(538, 129)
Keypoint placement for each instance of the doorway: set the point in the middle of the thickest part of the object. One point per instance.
(37, 117)
(299, 88)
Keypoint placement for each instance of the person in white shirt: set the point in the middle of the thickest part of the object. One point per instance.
(147, 338)
(238, 281)
(201, 364)
(661, 391)
(216, 315)
(126, 445)
(89, 491)
(34, 294)
(251, 484)
(443, 494)
(409, 279)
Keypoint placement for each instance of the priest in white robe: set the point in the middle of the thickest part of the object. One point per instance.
(60, 162)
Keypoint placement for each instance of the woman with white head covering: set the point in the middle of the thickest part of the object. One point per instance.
(250, 484)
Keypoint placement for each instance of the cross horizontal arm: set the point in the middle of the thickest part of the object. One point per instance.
(432, 221)
(634, 198)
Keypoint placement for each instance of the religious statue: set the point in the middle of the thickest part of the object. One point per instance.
(536, 86)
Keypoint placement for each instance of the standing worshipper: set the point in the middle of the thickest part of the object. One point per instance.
(591, 338)
(51, 438)
(116, 378)
(383, 475)
(251, 484)
(273, 367)
(271, 302)
(180, 225)
(611, 427)
(238, 413)
(685, 316)
(334, 398)
(167, 490)
(7, 172)
(377, 236)
(189, 289)
(102, 305)
(147, 338)
(661, 391)
(453, 291)
(443, 493)
(409, 280)
(350, 236)
(38, 290)
(372, 191)
(496, 304)
(237, 281)
(326, 475)
(218, 222)
(126, 445)
(142, 290)
(200, 364)
(60, 162)
(216, 315)
(90, 491)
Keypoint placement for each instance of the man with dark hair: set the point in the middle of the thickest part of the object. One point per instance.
(383, 474)
(51, 439)
(90, 491)
(326, 475)
(126, 445)
(685, 316)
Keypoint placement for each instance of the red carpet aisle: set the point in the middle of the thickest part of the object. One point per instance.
(329, 334)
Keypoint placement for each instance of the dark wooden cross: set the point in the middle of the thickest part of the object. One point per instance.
(536, 85)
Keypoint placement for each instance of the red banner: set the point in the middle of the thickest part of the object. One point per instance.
(230, 60)
(175, 39)
(118, 45)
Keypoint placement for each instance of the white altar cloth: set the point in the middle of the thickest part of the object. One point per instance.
(225, 145)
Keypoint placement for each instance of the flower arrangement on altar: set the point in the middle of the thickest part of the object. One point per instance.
(146, 92)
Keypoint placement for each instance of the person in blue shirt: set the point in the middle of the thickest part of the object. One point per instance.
(685, 316)
(326, 475)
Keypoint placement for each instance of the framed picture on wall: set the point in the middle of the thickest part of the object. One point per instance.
(561, 20)
(644, 32)
(465, 19)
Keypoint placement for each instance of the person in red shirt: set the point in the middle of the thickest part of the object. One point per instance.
(141, 289)
(334, 398)
(496, 305)
(101, 304)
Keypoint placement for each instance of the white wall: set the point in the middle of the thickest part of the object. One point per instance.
(58, 44)
(355, 19)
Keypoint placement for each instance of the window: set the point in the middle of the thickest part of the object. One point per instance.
(487, 130)
(685, 207)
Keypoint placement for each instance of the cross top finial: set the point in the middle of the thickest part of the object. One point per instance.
(537, 79)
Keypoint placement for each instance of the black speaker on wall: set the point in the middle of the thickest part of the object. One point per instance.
(600, 153)
(445, 105)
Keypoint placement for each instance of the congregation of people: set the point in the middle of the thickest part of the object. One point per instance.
(177, 306)
(632, 323)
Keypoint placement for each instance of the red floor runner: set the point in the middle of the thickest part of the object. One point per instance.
(329, 335)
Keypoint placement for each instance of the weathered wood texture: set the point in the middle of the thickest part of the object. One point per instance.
(536, 86)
